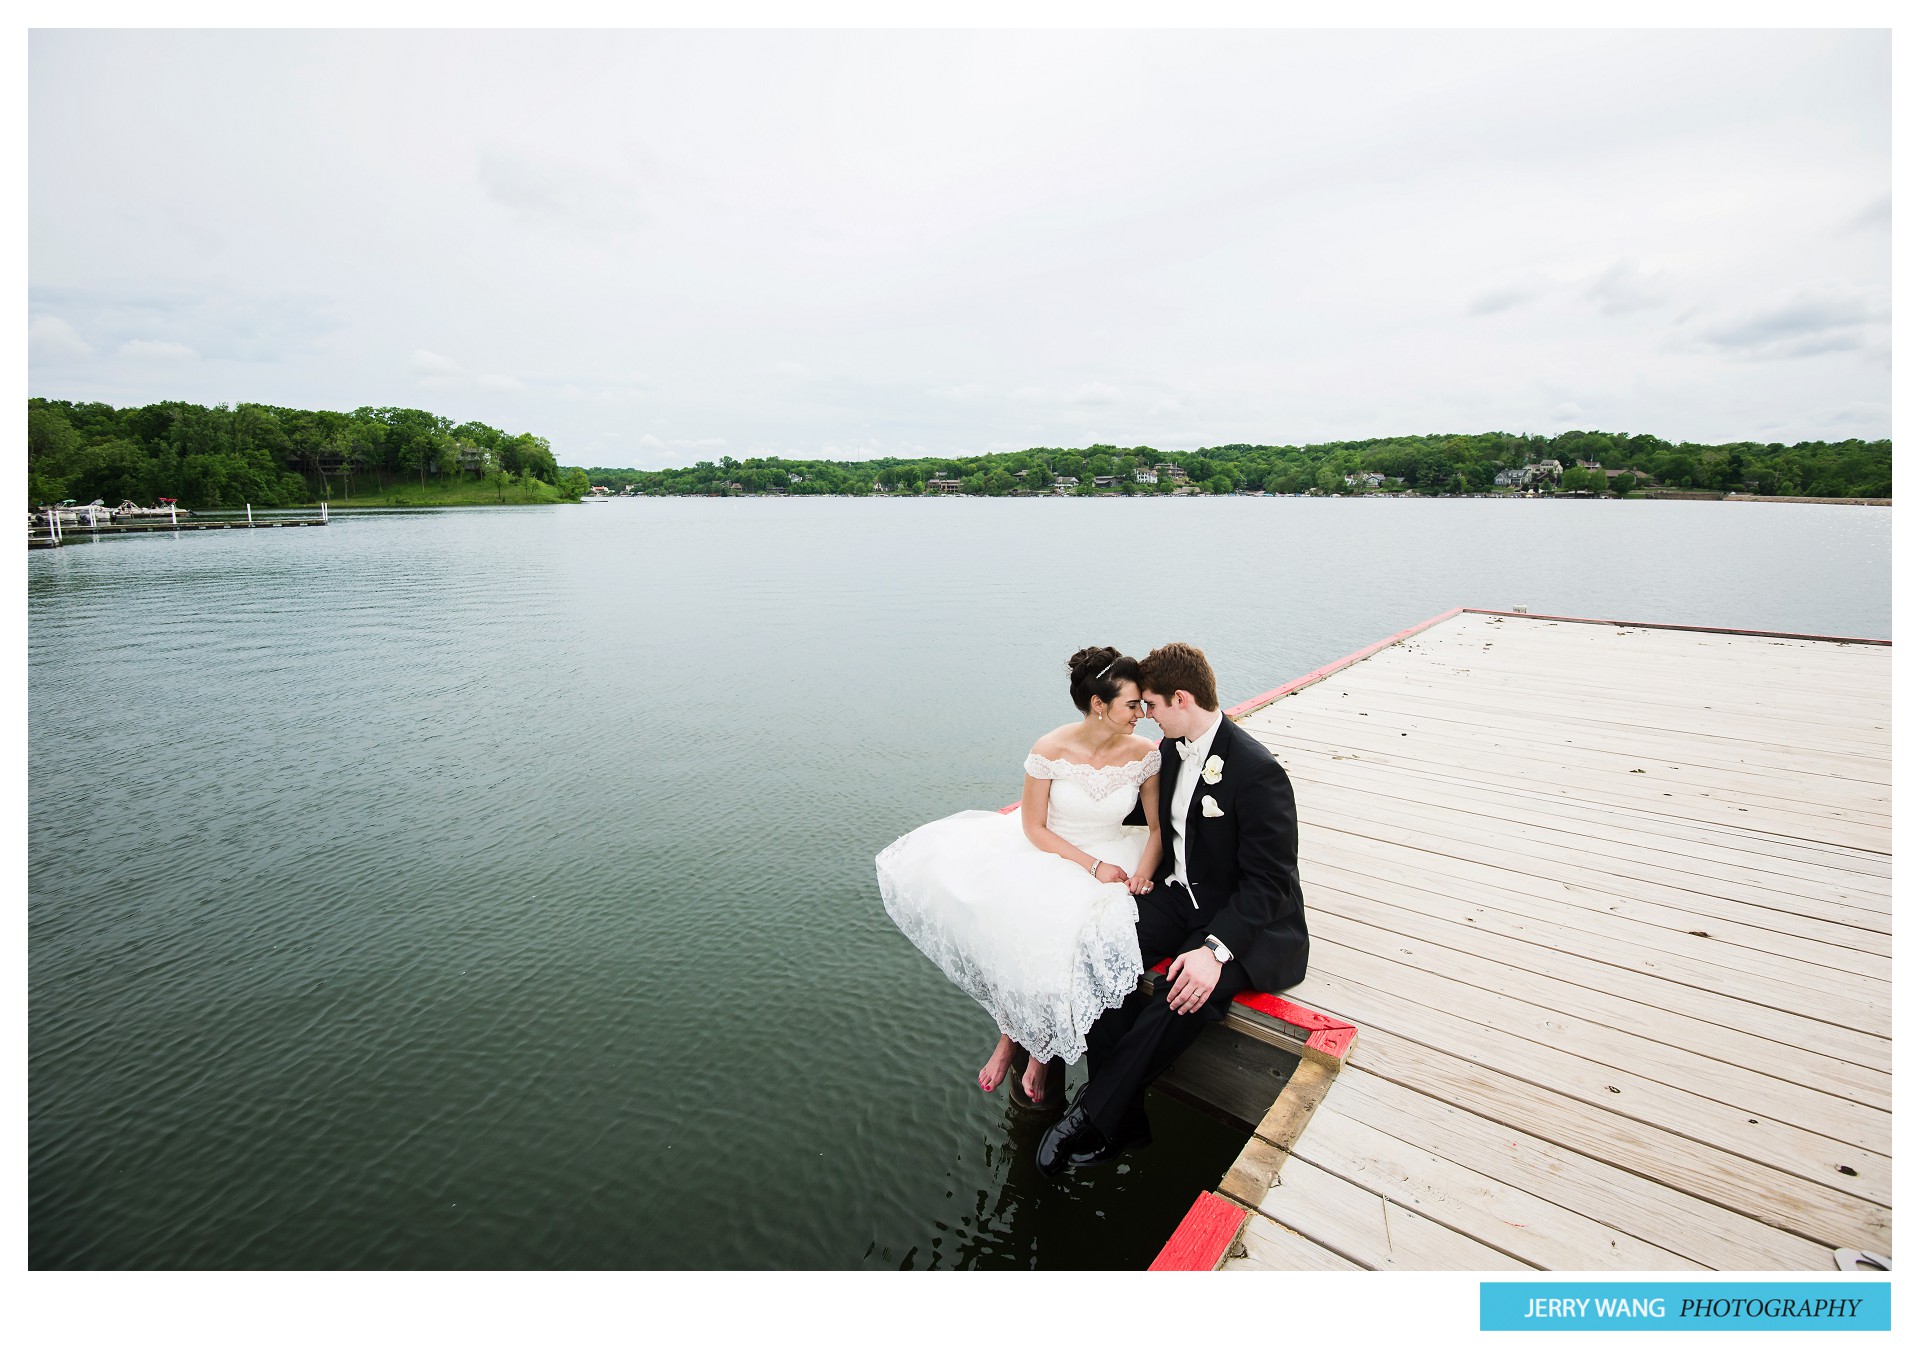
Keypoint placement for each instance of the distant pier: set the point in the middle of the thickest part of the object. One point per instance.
(51, 534)
(1605, 911)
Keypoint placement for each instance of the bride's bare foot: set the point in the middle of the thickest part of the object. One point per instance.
(995, 1069)
(1034, 1082)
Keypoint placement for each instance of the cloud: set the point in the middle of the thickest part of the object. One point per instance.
(51, 337)
(652, 442)
(435, 371)
(1499, 299)
(595, 194)
(1801, 326)
(968, 393)
(1876, 215)
(218, 323)
(1626, 287)
(1094, 394)
(432, 365)
(148, 349)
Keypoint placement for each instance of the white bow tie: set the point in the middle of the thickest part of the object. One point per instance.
(1186, 748)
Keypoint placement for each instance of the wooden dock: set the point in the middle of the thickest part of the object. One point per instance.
(39, 537)
(1609, 907)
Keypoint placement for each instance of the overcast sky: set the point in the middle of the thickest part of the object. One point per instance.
(659, 247)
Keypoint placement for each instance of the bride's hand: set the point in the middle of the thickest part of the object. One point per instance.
(1110, 872)
(1140, 884)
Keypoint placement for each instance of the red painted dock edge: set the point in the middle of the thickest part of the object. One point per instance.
(1325, 1033)
(1204, 1236)
(1315, 677)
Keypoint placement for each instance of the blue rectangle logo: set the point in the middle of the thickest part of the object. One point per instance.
(1686, 1306)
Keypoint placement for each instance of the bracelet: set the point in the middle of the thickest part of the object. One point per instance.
(1093, 870)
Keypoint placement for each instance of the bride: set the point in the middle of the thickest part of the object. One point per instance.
(1034, 916)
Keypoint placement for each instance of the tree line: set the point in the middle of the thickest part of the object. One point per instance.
(1432, 464)
(232, 455)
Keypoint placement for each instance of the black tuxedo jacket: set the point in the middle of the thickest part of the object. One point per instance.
(1243, 862)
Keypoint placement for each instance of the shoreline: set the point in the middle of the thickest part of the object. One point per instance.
(1323, 497)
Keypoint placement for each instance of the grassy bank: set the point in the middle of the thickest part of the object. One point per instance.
(462, 492)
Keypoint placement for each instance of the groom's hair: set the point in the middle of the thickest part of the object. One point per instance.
(1179, 666)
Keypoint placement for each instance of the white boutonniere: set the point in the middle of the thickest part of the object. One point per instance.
(1208, 807)
(1210, 771)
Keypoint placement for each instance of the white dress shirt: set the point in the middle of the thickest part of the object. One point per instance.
(1184, 784)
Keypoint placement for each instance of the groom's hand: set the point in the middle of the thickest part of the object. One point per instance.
(1194, 974)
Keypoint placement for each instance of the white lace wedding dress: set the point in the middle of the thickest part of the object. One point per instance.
(1042, 946)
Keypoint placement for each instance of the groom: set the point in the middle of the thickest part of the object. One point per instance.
(1227, 907)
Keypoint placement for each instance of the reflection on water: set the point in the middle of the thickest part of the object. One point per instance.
(494, 887)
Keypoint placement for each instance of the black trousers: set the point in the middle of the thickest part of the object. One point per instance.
(1128, 1047)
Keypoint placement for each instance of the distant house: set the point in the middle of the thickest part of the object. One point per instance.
(600, 490)
(1509, 478)
(1588, 464)
(795, 478)
(1062, 482)
(1145, 476)
(1107, 481)
(1172, 473)
(1368, 480)
(945, 485)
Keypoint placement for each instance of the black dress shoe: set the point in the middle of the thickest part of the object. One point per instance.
(1106, 1151)
(1072, 1132)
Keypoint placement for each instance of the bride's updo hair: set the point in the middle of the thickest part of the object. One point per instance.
(1098, 671)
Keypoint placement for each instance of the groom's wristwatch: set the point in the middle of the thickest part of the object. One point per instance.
(1219, 950)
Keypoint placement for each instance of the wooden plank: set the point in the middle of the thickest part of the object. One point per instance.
(1267, 1246)
(1589, 989)
(1664, 1216)
(1256, 1168)
(1265, 1153)
(1762, 746)
(1231, 1076)
(1645, 785)
(1532, 716)
(1537, 1011)
(1503, 1217)
(1741, 849)
(1687, 702)
(1631, 919)
(1489, 734)
(1519, 889)
(1761, 1191)
(1294, 1108)
(1594, 680)
(1821, 992)
(1371, 1231)
(1861, 1173)
(1832, 654)
(1618, 872)
(1677, 804)
(1203, 1238)
(1647, 646)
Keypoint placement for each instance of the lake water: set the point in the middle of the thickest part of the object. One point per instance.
(494, 887)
